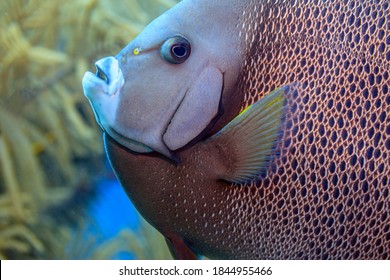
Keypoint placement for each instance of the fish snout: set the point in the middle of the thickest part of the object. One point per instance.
(108, 71)
(108, 78)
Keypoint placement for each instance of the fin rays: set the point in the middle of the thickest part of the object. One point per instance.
(249, 139)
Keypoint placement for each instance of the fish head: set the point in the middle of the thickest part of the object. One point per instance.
(166, 86)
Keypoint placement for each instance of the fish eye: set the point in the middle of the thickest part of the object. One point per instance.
(176, 50)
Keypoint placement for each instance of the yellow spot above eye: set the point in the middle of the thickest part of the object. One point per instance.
(137, 51)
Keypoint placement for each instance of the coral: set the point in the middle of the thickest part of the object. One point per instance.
(48, 137)
(144, 244)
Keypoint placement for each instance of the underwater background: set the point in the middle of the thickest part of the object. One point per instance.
(58, 196)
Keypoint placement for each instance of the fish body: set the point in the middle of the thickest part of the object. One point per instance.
(302, 174)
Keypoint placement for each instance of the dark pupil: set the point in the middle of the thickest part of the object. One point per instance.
(179, 51)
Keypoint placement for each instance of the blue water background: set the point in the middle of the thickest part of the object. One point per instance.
(111, 211)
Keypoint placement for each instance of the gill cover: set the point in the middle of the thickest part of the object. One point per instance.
(197, 109)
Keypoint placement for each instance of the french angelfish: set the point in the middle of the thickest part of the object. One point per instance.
(255, 129)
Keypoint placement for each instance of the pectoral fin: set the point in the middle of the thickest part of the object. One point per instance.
(242, 149)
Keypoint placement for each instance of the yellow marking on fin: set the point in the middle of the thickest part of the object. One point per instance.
(246, 109)
(275, 100)
(270, 104)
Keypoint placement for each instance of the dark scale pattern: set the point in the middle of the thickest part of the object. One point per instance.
(327, 195)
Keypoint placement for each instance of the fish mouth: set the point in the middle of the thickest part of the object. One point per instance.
(100, 74)
(107, 79)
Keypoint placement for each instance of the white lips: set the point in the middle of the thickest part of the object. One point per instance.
(92, 84)
(114, 74)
